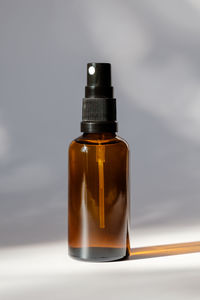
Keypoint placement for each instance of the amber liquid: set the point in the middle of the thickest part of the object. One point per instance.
(98, 200)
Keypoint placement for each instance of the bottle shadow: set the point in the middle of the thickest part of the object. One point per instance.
(164, 250)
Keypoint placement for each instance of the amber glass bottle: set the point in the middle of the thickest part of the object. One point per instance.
(98, 186)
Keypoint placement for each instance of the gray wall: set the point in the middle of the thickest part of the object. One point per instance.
(154, 48)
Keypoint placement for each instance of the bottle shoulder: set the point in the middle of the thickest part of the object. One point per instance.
(124, 142)
(116, 140)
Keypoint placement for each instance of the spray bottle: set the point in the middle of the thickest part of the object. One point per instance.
(98, 176)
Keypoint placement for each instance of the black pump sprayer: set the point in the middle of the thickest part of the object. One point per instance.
(99, 106)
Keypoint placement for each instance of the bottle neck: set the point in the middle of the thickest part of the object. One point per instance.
(99, 135)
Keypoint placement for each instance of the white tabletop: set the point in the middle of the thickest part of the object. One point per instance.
(46, 272)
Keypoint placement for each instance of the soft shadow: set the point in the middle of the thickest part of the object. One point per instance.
(164, 250)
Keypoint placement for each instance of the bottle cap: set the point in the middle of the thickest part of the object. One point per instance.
(99, 106)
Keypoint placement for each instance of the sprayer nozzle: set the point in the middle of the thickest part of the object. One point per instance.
(99, 106)
(98, 81)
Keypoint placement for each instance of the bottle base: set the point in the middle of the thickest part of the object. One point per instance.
(98, 254)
